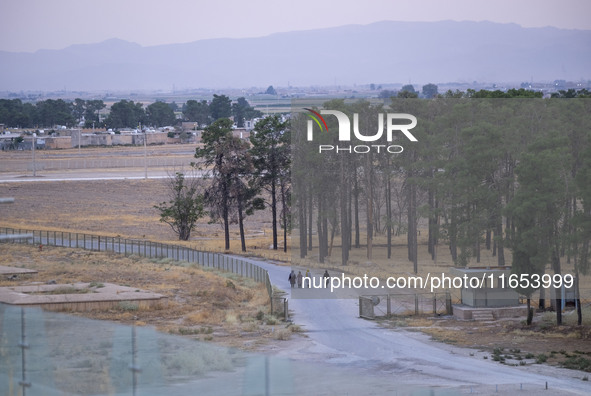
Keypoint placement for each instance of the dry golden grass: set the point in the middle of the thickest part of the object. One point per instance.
(507, 335)
(197, 298)
(121, 208)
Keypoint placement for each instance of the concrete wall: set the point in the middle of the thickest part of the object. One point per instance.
(117, 140)
(106, 139)
(58, 142)
(152, 138)
(488, 297)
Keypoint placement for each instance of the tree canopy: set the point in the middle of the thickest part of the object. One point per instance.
(220, 107)
(185, 205)
(160, 114)
(126, 114)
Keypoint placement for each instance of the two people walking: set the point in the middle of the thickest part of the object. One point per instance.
(298, 278)
(293, 278)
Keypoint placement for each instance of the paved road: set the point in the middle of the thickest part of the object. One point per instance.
(86, 175)
(337, 335)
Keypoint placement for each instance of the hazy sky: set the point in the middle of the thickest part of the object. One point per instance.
(29, 25)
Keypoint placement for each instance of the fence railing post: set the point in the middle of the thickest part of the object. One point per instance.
(434, 304)
(448, 307)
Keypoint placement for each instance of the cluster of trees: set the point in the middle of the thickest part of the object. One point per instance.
(50, 112)
(242, 178)
(128, 114)
(430, 91)
(408, 91)
(123, 114)
(221, 106)
(485, 174)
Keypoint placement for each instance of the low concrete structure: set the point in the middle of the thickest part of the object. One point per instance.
(488, 292)
(15, 271)
(465, 312)
(95, 297)
(487, 299)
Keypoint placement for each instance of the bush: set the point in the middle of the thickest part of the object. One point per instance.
(577, 363)
(541, 358)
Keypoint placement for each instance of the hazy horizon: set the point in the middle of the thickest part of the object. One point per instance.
(422, 52)
(32, 25)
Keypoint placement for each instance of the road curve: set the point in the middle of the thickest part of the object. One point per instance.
(339, 336)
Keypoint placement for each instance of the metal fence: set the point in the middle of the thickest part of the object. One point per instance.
(96, 163)
(145, 248)
(371, 307)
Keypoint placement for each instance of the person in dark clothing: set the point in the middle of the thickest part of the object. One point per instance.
(326, 277)
(300, 276)
(292, 278)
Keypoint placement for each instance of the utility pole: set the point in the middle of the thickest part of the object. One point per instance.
(33, 148)
(145, 153)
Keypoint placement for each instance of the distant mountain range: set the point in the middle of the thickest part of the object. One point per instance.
(383, 52)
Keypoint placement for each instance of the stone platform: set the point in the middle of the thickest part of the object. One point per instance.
(465, 312)
(8, 271)
(92, 297)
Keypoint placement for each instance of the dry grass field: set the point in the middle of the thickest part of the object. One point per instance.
(203, 304)
(119, 207)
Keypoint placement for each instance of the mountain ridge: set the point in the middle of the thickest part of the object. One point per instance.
(381, 52)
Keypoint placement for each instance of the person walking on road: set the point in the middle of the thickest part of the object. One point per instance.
(300, 276)
(292, 278)
(326, 277)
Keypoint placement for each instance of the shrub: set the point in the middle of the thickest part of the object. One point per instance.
(541, 358)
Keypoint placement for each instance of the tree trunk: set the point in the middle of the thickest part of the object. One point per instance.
(357, 242)
(369, 205)
(388, 211)
(284, 216)
(241, 224)
(332, 232)
(557, 290)
(226, 215)
(432, 223)
(578, 299)
(302, 226)
(412, 225)
(274, 212)
(499, 236)
(345, 231)
(453, 234)
(310, 218)
(529, 315)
